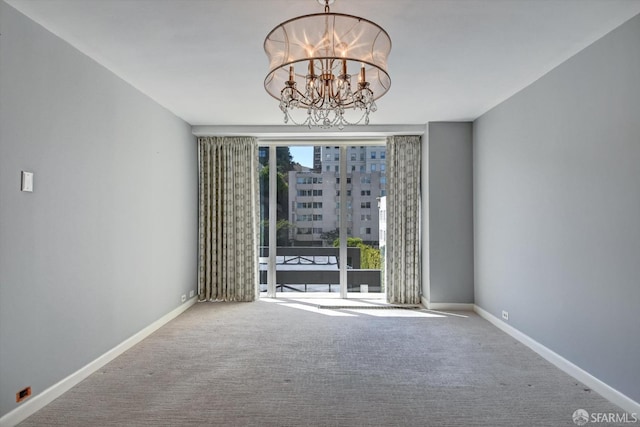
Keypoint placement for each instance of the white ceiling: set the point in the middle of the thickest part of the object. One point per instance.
(451, 59)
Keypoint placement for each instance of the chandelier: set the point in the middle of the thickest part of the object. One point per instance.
(330, 65)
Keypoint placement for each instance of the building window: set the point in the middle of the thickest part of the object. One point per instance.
(383, 167)
(373, 154)
(365, 205)
(365, 179)
(336, 168)
(373, 167)
(309, 217)
(309, 180)
(383, 154)
(365, 192)
(328, 168)
(364, 217)
(365, 230)
(362, 168)
(304, 193)
(336, 157)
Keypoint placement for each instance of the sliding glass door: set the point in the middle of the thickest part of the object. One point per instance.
(320, 210)
(366, 186)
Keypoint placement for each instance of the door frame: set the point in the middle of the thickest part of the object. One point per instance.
(343, 144)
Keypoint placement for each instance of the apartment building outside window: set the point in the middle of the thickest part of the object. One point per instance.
(314, 200)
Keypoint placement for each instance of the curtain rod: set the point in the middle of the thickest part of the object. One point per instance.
(285, 132)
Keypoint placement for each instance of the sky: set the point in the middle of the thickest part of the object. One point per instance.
(302, 155)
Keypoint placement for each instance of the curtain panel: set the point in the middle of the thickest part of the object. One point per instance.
(402, 275)
(228, 219)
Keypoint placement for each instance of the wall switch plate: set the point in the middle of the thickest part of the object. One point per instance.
(184, 298)
(27, 181)
(505, 315)
(192, 293)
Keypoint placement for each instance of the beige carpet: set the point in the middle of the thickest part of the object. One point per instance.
(289, 363)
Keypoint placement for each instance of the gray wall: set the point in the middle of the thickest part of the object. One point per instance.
(450, 213)
(557, 209)
(106, 243)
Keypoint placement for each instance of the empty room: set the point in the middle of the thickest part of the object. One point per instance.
(319, 212)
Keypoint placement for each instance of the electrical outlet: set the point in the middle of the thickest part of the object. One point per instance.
(23, 394)
(192, 293)
(505, 315)
(184, 298)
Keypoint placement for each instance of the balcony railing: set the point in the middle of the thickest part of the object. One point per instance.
(313, 269)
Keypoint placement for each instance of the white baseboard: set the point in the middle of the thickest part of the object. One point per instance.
(446, 305)
(47, 396)
(608, 392)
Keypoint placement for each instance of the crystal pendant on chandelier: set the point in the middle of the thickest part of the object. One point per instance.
(328, 67)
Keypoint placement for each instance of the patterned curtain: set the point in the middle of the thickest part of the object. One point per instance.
(228, 219)
(403, 220)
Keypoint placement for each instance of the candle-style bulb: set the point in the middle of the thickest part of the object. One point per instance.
(291, 73)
